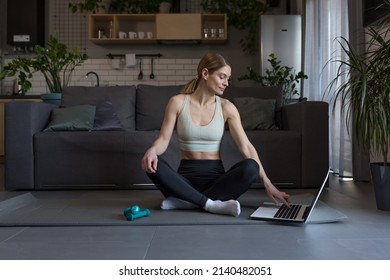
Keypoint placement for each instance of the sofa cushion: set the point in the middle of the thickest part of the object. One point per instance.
(106, 117)
(81, 159)
(266, 92)
(122, 98)
(269, 92)
(151, 102)
(79, 117)
(256, 113)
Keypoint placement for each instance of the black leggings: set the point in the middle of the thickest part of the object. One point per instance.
(198, 180)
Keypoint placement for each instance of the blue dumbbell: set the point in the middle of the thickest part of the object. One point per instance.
(135, 212)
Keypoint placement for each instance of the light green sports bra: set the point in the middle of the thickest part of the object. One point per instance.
(205, 138)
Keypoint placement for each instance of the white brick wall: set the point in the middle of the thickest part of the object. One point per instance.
(166, 72)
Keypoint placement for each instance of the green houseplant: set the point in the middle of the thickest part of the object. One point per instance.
(277, 75)
(136, 6)
(362, 86)
(55, 62)
(242, 14)
(91, 6)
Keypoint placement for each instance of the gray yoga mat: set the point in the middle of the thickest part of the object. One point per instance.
(105, 208)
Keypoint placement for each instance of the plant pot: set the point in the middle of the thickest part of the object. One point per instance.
(52, 98)
(381, 180)
(105, 10)
(165, 7)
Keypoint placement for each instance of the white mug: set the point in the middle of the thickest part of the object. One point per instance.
(141, 35)
(149, 35)
(132, 35)
(122, 35)
(213, 32)
(221, 33)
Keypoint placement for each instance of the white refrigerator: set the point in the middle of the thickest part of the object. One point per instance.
(281, 35)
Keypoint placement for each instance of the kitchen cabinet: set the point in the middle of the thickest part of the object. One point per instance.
(179, 26)
(152, 28)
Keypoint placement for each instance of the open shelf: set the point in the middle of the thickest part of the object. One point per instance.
(151, 28)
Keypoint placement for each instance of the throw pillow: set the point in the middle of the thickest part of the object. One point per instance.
(256, 113)
(79, 117)
(106, 117)
(122, 98)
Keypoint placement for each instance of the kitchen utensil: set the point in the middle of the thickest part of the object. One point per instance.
(151, 67)
(140, 75)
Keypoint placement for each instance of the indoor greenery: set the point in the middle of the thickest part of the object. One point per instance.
(55, 62)
(242, 14)
(277, 75)
(91, 6)
(136, 6)
(362, 86)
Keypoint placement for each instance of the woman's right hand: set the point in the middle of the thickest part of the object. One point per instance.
(149, 161)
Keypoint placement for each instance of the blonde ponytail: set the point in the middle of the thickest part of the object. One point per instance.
(191, 86)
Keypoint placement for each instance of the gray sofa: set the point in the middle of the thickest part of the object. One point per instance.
(293, 148)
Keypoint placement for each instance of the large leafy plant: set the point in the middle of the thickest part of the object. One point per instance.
(278, 75)
(55, 62)
(362, 86)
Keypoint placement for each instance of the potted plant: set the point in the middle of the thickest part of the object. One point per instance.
(362, 86)
(55, 62)
(136, 6)
(164, 6)
(277, 75)
(242, 14)
(91, 6)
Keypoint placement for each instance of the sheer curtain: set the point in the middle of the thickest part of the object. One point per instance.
(325, 21)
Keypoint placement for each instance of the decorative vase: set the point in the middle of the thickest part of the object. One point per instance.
(381, 180)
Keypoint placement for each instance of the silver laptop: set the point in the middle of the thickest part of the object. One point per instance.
(297, 213)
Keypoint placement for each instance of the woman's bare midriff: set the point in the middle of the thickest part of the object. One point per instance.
(200, 155)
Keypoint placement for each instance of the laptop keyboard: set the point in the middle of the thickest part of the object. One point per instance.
(288, 213)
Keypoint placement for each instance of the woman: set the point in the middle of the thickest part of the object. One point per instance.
(200, 114)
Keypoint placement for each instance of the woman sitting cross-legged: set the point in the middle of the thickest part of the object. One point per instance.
(200, 113)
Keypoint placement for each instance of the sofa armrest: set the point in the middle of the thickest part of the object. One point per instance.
(311, 119)
(22, 119)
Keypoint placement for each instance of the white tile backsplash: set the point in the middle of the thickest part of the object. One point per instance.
(166, 71)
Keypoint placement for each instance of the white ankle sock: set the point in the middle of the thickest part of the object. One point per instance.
(176, 203)
(229, 207)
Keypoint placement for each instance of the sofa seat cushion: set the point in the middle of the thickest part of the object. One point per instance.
(90, 159)
(122, 98)
(151, 103)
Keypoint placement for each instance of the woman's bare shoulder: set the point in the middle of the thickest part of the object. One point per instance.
(176, 101)
(227, 105)
(178, 97)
